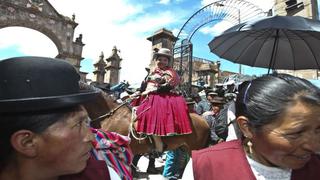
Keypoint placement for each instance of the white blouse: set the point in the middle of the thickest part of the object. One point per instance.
(263, 172)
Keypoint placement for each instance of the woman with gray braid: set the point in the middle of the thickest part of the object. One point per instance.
(279, 117)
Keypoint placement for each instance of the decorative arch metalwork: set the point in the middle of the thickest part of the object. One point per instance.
(233, 11)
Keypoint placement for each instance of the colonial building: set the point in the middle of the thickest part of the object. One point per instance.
(99, 71)
(113, 67)
(203, 70)
(41, 16)
(162, 38)
(107, 71)
(304, 8)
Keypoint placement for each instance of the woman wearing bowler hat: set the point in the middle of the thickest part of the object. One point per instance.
(163, 112)
(44, 132)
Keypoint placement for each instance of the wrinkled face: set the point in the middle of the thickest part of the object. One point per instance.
(291, 139)
(65, 145)
(162, 62)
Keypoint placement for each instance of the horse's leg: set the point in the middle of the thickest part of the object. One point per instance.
(198, 139)
(140, 147)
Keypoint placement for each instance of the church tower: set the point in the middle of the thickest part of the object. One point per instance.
(112, 67)
(162, 38)
(99, 71)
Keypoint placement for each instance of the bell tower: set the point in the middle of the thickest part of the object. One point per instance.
(112, 75)
(99, 71)
(162, 38)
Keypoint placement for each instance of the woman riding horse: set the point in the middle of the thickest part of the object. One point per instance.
(162, 112)
(112, 117)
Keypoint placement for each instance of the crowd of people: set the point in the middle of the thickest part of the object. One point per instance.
(267, 128)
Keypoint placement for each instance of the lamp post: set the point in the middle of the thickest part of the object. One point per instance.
(239, 20)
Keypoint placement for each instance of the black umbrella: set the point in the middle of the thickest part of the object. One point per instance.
(278, 42)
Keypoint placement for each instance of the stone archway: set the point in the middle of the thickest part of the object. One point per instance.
(41, 16)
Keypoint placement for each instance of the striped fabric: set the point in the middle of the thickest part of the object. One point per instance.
(114, 149)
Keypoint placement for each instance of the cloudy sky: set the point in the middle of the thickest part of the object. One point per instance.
(122, 23)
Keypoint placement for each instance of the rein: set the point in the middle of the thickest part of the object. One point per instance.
(109, 113)
(131, 126)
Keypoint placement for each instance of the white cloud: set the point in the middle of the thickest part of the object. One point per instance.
(244, 9)
(164, 2)
(216, 29)
(147, 22)
(265, 5)
(175, 31)
(104, 24)
(28, 42)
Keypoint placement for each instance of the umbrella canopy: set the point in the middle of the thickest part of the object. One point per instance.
(278, 42)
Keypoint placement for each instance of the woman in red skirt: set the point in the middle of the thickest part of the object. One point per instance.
(163, 112)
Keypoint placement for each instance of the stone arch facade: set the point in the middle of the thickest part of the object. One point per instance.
(41, 16)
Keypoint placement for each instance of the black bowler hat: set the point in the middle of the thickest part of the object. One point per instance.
(39, 83)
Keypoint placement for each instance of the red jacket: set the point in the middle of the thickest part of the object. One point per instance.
(228, 161)
(95, 170)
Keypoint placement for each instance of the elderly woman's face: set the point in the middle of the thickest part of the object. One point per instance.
(67, 143)
(162, 62)
(291, 139)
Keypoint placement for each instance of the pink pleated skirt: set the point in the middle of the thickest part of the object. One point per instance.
(163, 114)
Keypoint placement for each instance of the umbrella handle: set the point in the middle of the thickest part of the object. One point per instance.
(274, 51)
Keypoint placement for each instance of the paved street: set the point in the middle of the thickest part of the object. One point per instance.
(143, 164)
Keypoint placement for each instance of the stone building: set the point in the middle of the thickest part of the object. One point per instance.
(41, 16)
(113, 67)
(107, 71)
(304, 8)
(162, 38)
(203, 70)
(99, 70)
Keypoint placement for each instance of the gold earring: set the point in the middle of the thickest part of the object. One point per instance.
(249, 144)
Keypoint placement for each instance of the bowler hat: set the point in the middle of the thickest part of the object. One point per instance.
(217, 100)
(39, 83)
(164, 52)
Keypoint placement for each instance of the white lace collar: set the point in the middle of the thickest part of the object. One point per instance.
(263, 172)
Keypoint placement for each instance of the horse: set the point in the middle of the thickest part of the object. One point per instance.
(108, 115)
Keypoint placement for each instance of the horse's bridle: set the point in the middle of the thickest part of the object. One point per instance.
(110, 113)
(131, 127)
